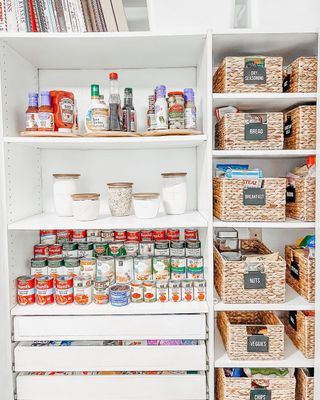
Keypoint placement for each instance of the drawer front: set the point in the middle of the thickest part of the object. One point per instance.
(110, 358)
(183, 326)
(113, 387)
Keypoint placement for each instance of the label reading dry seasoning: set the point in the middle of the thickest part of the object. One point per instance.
(256, 131)
(288, 128)
(293, 319)
(290, 194)
(254, 280)
(254, 197)
(294, 270)
(260, 394)
(254, 75)
(258, 344)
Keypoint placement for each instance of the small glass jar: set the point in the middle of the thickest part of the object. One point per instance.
(120, 198)
(174, 192)
(146, 205)
(64, 186)
(85, 206)
(227, 239)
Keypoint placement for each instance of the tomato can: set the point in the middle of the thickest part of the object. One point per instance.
(55, 267)
(136, 292)
(174, 291)
(116, 249)
(173, 233)
(199, 289)
(193, 248)
(195, 267)
(48, 236)
(93, 235)
(82, 289)
(133, 235)
(79, 235)
(64, 235)
(142, 266)
(124, 269)
(106, 268)
(162, 291)
(88, 267)
(25, 290)
(44, 290)
(64, 289)
(146, 235)
(161, 268)
(131, 248)
(101, 291)
(72, 266)
(70, 249)
(159, 234)
(85, 250)
(149, 291)
(39, 266)
(161, 248)
(191, 234)
(40, 251)
(146, 248)
(107, 235)
(187, 290)
(100, 249)
(120, 295)
(178, 268)
(55, 250)
(177, 248)
(120, 235)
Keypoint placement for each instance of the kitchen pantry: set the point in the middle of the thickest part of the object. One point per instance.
(178, 350)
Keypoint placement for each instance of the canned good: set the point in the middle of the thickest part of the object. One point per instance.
(79, 235)
(101, 290)
(136, 292)
(116, 249)
(146, 235)
(85, 249)
(93, 235)
(40, 251)
(48, 236)
(106, 268)
(173, 234)
(174, 291)
(161, 248)
(178, 268)
(64, 235)
(191, 234)
(131, 248)
(64, 289)
(39, 266)
(69, 249)
(195, 267)
(88, 266)
(107, 235)
(187, 290)
(44, 290)
(124, 269)
(55, 267)
(146, 248)
(162, 291)
(120, 235)
(100, 249)
(133, 235)
(159, 234)
(120, 295)
(72, 266)
(25, 290)
(142, 268)
(55, 250)
(161, 268)
(82, 289)
(199, 289)
(193, 248)
(177, 248)
(149, 291)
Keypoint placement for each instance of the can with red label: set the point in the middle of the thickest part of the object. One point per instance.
(55, 250)
(173, 234)
(39, 266)
(120, 235)
(64, 289)
(79, 235)
(191, 234)
(41, 251)
(25, 290)
(146, 235)
(64, 235)
(133, 235)
(159, 234)
(44, 290)
(48, 236)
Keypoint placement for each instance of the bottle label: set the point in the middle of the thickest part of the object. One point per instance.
(99, 119)
(190, 118)
(161, 116)
(151, 122)
(45, 120)
(66, 110)
(32, 121)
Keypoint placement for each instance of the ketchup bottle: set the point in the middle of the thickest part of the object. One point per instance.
(45, 114)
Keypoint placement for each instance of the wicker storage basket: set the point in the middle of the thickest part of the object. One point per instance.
(231, 277)
(239, 332)
(228, 203)
(229, 77)
(305, 385)
(300, 128)
(301, 75)
(300, 329)
(300, 273)
(230, 133)
(241, 388)
(303, 204)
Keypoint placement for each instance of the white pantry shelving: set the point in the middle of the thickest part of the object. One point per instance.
(265, 154)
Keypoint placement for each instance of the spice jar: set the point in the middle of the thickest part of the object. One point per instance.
(174, 192)
(146, 205)
(85, 206)
(120, 198)
(176, 110)
(64, 186)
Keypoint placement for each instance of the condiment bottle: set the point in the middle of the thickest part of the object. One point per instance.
(128, 112)
(75, 127)
(151, 118)
(32, 112)
(161, 108)
(45, 114)
(114, 103)
(97, 116)
(189, 109)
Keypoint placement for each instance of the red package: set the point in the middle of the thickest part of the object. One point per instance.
(63, 109)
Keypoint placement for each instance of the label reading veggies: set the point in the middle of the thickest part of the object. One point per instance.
(258, 344)
(254, 197)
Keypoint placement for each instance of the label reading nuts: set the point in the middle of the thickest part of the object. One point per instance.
(254, 280)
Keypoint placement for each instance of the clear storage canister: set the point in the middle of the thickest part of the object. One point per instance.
(120, 198)
(64, 186)
(85, 206)
(174, 192)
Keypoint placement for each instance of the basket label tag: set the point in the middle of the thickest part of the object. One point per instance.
(286, 83)
(256, 131)
(294, 270)
(258, 344)
(254, 197)
(290, 194)
(293, 319)
(254, 75)
(254, 280)
(288, 128)
(260, 394)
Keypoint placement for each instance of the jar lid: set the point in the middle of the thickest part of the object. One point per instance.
(173, 174)
(66, 176)
(120, 184)
(85, 196)
(175, 94)
(145, 196)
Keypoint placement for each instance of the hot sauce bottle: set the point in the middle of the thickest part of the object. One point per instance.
(32, 113)
(45, 114)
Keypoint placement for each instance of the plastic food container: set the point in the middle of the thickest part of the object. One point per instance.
(146, 205)
(85, 206)
(120, 198)
(174, 192)
(64, 186)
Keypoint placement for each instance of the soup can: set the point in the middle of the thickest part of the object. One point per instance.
(187, 290)
(64, 235)
(93, 235)
(26, 290)
(116, 249)
(175, 291)
(64, 289)
(193, 248)
(55, 250)
(72, 266)
(120, 235)
(44, 290)
(70, 249)
(85, 250)
(142, 266)
(41, 251)
(177, 248)
(162, 291)
(100, 249)
(191, 234)
(120, 295)
(55, 267)
(88, 267)
(199, 290)
(161, 268)
(159, 234)
(48, 236)
(133, 235)
(107, 235)
(149, 291)
(124, 269)
(79, 235)
(173, 233)
(39, 266)
(178, 268)
(136, 292)
(146, 235)
(161, 248)
(195, 267)
(101, 291)
(146, 248)
(82, 289)
(131, 248)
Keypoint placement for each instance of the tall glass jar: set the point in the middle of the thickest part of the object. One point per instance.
(64, 185)
(120, 198)
(174, 192)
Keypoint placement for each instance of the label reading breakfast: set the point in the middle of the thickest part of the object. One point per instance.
(288, 128)
(254, 75)
(254, 280)
(293, 319)
(254, 197)
(260, 394)
(256, 131)
(258, 344)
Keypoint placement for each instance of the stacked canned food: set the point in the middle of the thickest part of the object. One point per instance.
(120, 266)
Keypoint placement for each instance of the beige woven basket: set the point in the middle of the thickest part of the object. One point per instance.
(240, 388)
(303, 75)
(228, 201)
(230, 133)
(229, 77)
(303, 122)
(229, 277)
(300, 273)
(305, 386)
(300, 329)
(239, 328)
(304, 206)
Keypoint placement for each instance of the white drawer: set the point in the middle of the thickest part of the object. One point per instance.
(110, 358)
(112, 387)
(181, 326)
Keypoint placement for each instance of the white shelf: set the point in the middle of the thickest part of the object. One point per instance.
(194, 307)
(289, 223)
(261, 154)
(292, 357)
(293, 302)
(51, 221)
(88, 143)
